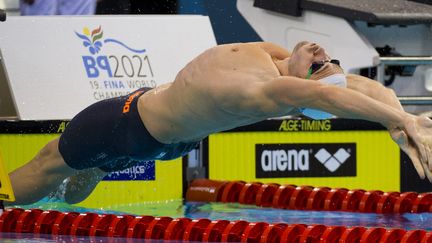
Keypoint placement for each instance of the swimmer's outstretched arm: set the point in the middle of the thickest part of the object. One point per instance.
(377, 91)
(373, 89)
(82, 184)
(291, 91)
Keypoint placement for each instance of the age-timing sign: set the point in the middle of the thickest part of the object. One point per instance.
(305, 160)
(58, 65)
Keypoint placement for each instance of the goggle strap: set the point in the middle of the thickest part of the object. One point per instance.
(309, 74)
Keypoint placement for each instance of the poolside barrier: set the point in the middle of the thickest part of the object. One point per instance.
(308, 197)
(54, 223)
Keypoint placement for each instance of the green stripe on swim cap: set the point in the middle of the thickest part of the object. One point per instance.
(309, 74)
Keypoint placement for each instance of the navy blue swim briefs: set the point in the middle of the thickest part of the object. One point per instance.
(111, 135)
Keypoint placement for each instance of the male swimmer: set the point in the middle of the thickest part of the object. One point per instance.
(225, 87)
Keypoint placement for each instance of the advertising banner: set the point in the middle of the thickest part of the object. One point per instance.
(58, 65)
(334, 153)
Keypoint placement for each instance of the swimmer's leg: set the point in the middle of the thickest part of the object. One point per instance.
(82, 184)
(42, 175)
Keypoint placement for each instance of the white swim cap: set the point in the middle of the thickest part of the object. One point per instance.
(337, 79)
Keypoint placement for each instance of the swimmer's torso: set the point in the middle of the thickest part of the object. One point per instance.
(207, 96)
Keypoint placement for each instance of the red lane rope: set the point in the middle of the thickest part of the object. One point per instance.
(309, 198)
(74, 224)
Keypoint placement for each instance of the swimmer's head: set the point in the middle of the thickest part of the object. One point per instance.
(324, 68)
(303, 56)
(328, 72)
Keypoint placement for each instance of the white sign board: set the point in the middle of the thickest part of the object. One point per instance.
(58, 65)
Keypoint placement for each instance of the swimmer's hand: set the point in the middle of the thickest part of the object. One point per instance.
(415, 139)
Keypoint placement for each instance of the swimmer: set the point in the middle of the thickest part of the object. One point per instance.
(225, 87)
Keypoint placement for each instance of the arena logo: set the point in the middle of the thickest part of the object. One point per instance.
(305, 160)
(332, 162)
(285, 160)
(113, 67)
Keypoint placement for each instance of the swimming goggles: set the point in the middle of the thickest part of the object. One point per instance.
(317, 65)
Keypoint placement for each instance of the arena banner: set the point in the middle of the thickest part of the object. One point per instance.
(58, 65)
(334, 153)
(145, 182)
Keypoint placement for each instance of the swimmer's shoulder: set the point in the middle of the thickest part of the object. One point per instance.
(274, 50)
(253, 45)
(247, 48)
(227, 54)
(228, 51)
(238, 46)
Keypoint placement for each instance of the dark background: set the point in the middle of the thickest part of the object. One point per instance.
(228, 25)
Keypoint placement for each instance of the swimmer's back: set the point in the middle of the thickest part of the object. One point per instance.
(198, 101)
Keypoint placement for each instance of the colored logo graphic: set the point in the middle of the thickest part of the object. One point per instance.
(94, 42)
(91, 40)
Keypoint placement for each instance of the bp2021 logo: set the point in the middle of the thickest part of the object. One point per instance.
(111, 75)
(305, 160)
